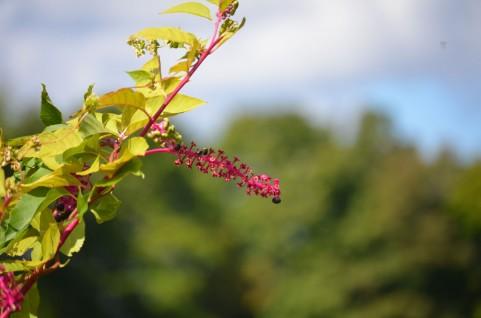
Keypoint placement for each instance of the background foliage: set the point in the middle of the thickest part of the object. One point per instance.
(366, 229)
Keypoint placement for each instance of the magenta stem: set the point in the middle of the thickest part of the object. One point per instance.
(66, 233)
(158, 150)
(214, 41)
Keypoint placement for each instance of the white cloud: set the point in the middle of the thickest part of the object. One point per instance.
(302, 50)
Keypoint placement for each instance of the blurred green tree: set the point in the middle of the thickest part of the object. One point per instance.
(367, 229)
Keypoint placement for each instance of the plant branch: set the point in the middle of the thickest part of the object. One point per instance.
(42, 270)
(186, 79)
(158, 150)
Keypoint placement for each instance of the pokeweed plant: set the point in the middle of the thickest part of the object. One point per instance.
(49, 181)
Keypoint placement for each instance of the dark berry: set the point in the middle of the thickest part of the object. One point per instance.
(203, 152)
(276, 200)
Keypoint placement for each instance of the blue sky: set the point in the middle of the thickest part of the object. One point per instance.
(416, 60)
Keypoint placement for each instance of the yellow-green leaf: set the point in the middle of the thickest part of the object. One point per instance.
(223, 4)
(59, 178)
(52, 143)
(193, 8)
(75, 241)
(182, 66)
(140, 76)
(125, 97)
(181, 104)
(21, 247)
(94, 167)
(168, 34)
(50, 241)
(133, 147)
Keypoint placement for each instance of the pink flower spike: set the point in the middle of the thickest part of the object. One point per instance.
(11, 295)
(218, 165)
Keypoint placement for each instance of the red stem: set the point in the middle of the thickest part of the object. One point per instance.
(65, 234)
(214, 41)
(158, 150)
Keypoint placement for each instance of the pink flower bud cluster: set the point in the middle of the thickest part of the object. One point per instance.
(218, 165)
(10, 293)
(164, 134)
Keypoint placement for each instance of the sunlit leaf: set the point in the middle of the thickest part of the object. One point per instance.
(181, 104)
(168, 34)
(134, 147)
(140, 76)
(50, 241)
(223, 4)
(53, 143)
(94, 167)
(182, 66)
(124, 97)
(193, 8)
(91, 126)
(132, 167)
(75, 241)
(22, 246)
(59, 178)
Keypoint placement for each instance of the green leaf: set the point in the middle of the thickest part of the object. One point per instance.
(168, 34)
(132, 167)
(49, 114)
(75, 241)
(29, 305)
(182, 66)
(20, 247)
(136, 146)
(89, 92)
(53, 143)
(133, 147)
(140, 76)
(193, 8)
(44, 217)
(181, 104)
(50, 241)
(128, 117)
(123, 97)
(25, 209)
(59, 178)
(14, 266)
(223, 4)
(94, 167)
(82, 204)
(91, 126)
(88, 149)
(105, 208)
